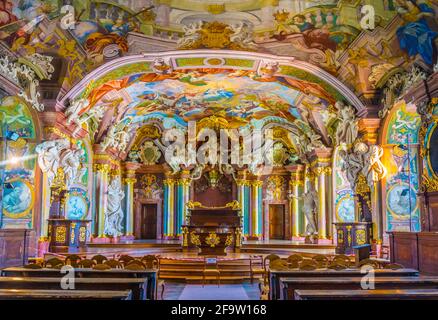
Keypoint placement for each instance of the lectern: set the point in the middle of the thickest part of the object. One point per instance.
(212, 229)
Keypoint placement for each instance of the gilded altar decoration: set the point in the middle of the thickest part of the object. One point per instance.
(60, 234)
(185, 231)
(349, 239)
(212, 239)
(360, 237)
(363, 189)
(340, 236)
(72, 233)
(229, 240)
(82, 234)
(430, 183)
(234, 205)
(194, 239)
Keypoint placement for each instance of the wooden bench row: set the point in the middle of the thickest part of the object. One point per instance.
(13, 294)
(390, 294)
(290, 286)
(275, 275)
(141, 283)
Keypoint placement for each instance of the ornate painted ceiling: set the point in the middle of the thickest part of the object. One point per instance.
(282, 61)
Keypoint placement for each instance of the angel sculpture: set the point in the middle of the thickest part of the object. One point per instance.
(49, 157)
(347, 129)
(75, 109)
(71, 162)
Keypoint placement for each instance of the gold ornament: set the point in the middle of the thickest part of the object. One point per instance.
(60, 234)
(229, 240)
(212, 239)
(194, 239)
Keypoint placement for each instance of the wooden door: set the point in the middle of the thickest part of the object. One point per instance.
(149, 221)
(276, 221)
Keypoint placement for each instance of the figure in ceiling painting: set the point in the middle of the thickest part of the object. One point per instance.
(194, 94)
(6, 14)
(416, 36)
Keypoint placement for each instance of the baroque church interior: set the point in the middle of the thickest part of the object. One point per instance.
(219, 149)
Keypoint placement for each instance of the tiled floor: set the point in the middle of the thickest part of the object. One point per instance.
(182, 291)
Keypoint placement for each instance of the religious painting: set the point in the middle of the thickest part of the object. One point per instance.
(401, 161)
(18, 198)
(18, 154)
(417, 35)
(239, 97)
(77, 204)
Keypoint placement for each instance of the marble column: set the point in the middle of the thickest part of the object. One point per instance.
(45, 208)
(129, 181)
(169, 208)
(101, 171)
(296, 188)
(256, 210)
(243, 196)
(183, 196)
(321, 167)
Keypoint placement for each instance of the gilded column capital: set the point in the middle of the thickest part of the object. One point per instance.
(115, 172)
(184, 182)
(242, 182)
(322, 171)
(129, 180)
(169, 182)
(256, 183)
(294, 183)
(103, 168)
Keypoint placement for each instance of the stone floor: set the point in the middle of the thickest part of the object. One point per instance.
(183, 291)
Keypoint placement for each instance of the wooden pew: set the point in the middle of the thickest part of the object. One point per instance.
(275, 275)
(290, 285)
(150, 275)
(13, 294)
(390, 294)
(136, 285)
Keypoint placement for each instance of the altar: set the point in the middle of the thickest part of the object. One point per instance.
(212, 230)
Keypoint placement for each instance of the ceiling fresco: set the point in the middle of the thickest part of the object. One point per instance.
(335, 54)
(236, 95)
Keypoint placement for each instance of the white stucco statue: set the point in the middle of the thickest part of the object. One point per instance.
(310, 208)
(71, 162)
(375, 170)
(117, 137)
(347, 129)
(49, 157)
(114, 213)
(191, 35)
(354, 162)
(75, 108)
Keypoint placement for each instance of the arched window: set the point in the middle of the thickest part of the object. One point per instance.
(18, 163)
(400, 186)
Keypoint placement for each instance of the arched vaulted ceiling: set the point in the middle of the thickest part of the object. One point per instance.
(245, 89)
